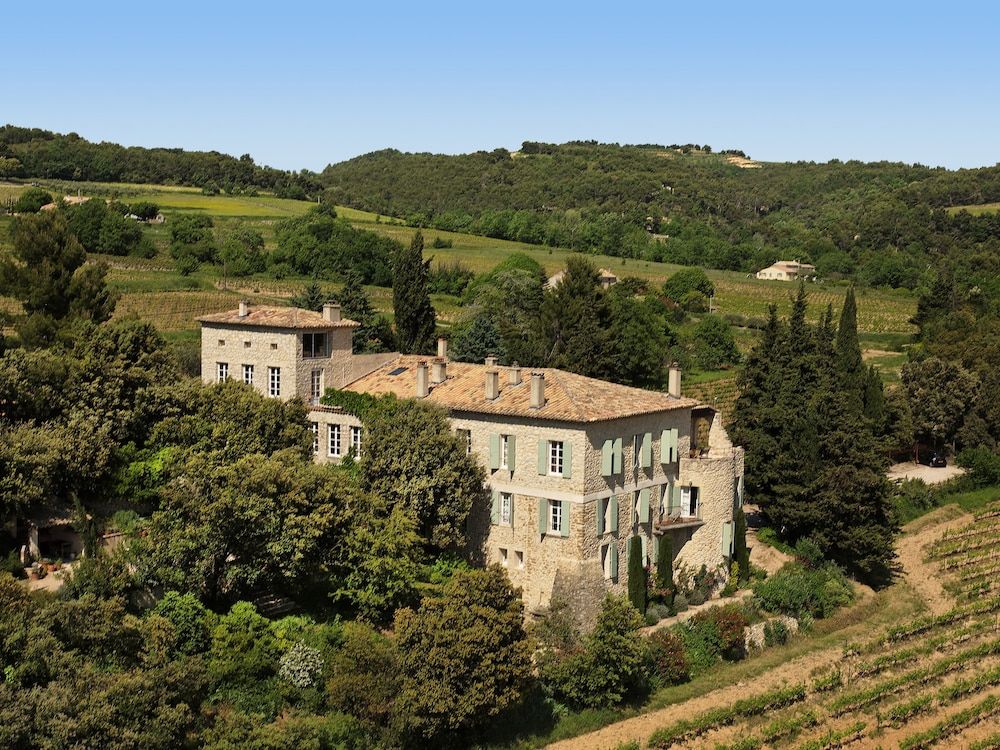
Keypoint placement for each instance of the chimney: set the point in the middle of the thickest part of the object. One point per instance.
(244, 308)
(514, 374)
(331, 312)
(492, 384)
(442, 347)
(422, 379)
(491, 361)
(439, 369)
(674, 380)
(537, 390)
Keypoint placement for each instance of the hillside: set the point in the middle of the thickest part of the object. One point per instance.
(877, 221)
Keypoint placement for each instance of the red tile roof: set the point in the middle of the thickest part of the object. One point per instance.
(264, 316)
(568, 397)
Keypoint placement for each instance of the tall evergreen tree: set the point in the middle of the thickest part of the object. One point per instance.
(849, 363)
(374, 334)
(636, 575)
(411, 301)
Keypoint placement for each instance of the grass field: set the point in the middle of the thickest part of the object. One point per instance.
(881, 313)
(976, 210)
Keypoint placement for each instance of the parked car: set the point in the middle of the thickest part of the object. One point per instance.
(935, 459)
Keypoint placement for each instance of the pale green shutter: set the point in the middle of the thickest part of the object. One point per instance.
(607, 458)
(674, 437)
(565, 518)
(617, 467)
(675, 500)
(543, 507)
(727, 539)
(646, 451)
(511, 452)
(599, 509)
(543, 458)
(567, 459)
(644, 506)
(613, 500)
(665, 447)
(494, 451)
(613, 551)
(645, 548)
(495, 512)
(739, 490)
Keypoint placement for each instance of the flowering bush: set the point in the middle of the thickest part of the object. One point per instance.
(301, 665)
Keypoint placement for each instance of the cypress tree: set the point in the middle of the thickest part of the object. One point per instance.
(636, 575)
(850, 367)
(411, 302)
(740, 552)
(665, 563)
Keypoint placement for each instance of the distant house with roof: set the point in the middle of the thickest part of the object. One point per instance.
(605, 277)
(578, 469)
(788, 270)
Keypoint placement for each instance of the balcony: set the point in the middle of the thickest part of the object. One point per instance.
(676, 518)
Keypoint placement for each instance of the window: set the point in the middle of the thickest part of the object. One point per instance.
(555, 517)
(505, 451)
(248, 374)
(356, 439)
(689, 501)
(222, 371)
(556, 458)
(222, 342)
(274, 346)
(605, 508)
(606, 560)
(314, 429)
(313, 345)
(466, 435)
(273, 381)
(519, 554)
(503, 557)
(506, 508)
(333, 441)
(315, 386)
(246, 344)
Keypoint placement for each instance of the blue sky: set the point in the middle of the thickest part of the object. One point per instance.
(301, 84)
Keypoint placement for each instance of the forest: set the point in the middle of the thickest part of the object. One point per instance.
(882, 224)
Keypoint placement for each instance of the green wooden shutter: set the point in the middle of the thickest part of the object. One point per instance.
(665, 447)
(644, 506)
(494, 451)
(543, 507)
(495, 512)
(543, 458)
(613, 500)
(565, 518)
(675, 499)
(674, 437)
(599, 509)
(727, 539)
(607, 458)
(613, 551)
(511, 452)
(617, 456)
(646, 451)
(739, 490)
(645, 548)
(567, 459)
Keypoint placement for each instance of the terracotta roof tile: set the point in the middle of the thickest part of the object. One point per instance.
(568, 397)
(265, 316)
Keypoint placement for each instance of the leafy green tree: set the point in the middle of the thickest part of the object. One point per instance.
(575, 322)
(374, 334)
(191, 239)
(688, 280)
(464, 656)
(714, 344)
(242, 252)
(46, 273)
(636, 576)
(85, 220)
(478, 339)
(243, 648)
(193, 623)
(411, 302)
(365, 676)
(413, 459)
(639, 340)
(31, 201)
(119, 235)
(940, 394)
(312, 298)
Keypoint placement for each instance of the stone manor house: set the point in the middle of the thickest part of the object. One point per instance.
(578, 468)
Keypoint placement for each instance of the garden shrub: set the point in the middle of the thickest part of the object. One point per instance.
(702, 643)
(730, 622)
(775, 633)
(302, 666)
(192, 621)
(799, 591)
(668, 659)
(365, 675)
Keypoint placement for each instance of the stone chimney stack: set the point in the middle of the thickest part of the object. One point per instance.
(537, 390)
(514, 374)
(331, 312)
(674, 380)
(439, 370)
(492, 384)
(244, 308)
(422, 387)
(442, 347)
(491, 361)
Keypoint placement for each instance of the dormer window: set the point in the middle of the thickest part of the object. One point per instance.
(314, 345)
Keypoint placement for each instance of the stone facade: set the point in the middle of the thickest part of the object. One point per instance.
(588, 554)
